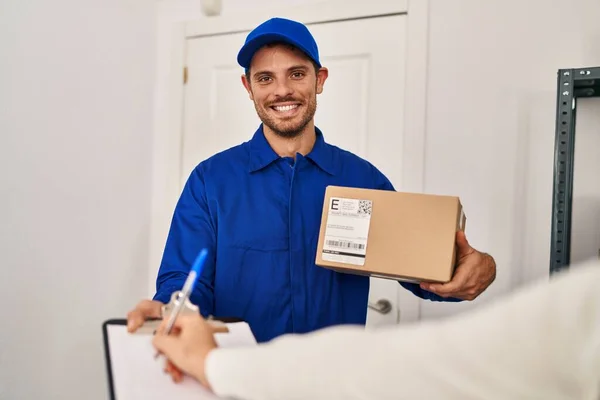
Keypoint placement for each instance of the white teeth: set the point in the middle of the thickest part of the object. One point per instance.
(285, 108)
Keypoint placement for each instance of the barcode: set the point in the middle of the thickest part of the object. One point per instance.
(342, 244)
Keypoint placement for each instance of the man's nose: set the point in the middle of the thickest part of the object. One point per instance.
(283, 88)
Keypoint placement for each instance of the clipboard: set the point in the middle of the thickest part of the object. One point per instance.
(134, 374)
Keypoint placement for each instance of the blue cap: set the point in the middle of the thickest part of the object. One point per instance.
(278, 30)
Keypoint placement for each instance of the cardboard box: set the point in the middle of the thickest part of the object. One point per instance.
(403, 236)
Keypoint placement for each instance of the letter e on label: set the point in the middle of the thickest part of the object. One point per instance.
(335, 204)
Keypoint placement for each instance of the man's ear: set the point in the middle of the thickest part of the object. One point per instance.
(247, 86)
(322, 75)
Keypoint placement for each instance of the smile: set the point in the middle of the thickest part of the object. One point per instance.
(285, 108)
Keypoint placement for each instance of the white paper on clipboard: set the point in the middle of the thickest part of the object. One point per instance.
(134, 374)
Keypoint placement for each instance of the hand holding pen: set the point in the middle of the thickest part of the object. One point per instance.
(187, 290)
(187, 349)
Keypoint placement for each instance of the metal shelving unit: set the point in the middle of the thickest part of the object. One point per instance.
(572, 84)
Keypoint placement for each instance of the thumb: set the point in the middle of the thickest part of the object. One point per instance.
(462, 243)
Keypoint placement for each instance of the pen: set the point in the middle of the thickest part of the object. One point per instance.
(185, 293)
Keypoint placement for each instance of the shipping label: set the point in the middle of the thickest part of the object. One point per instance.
(347, 230)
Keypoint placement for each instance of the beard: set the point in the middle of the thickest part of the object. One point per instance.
(287, 128)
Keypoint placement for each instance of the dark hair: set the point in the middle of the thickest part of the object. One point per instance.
(291, 47)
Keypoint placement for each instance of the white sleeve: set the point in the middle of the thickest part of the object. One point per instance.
(539, 343)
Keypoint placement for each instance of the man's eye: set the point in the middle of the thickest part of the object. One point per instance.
(298, 74)
(264, 79)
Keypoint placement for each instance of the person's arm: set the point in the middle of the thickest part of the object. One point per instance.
(192, 229)
(542, 342)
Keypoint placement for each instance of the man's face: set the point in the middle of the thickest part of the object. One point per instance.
(284, 85)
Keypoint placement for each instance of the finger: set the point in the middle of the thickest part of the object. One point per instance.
(135, 319)
(144, 310)
(150, 308)
(451, 288)
(176, 376)
(170, 366)
(462, 244)
(175, 372)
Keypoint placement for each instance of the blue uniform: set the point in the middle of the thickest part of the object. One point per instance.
(259, 215)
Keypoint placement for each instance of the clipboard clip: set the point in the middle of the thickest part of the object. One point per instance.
(188, 307)
(151, 325)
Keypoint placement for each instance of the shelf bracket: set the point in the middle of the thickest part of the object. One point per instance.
(572, 84)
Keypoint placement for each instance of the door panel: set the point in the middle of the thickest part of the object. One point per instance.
(345, 93)
(360, 110)
(217, 111)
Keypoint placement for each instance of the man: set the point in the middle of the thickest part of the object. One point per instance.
(540, 342)
(257, 208)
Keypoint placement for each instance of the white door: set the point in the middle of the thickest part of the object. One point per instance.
(361, 108)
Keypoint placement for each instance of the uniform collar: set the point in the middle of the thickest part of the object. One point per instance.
(323, 154)
(261, 153)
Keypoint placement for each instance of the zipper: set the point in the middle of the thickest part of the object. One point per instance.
(290, 236)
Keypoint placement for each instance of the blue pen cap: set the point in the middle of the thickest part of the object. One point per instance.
(199, 262)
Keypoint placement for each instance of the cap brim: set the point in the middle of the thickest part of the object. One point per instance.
(247, 51)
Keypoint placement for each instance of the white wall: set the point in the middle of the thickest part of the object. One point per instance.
(585, 240)
(76, 81)
(490, 125)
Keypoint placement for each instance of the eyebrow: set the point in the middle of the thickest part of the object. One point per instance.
(292, 68)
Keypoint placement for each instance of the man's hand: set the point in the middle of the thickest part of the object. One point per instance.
(187, 347)
(144, 310)
(473, 274)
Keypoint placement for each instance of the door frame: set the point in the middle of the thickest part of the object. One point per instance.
(169, 95)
